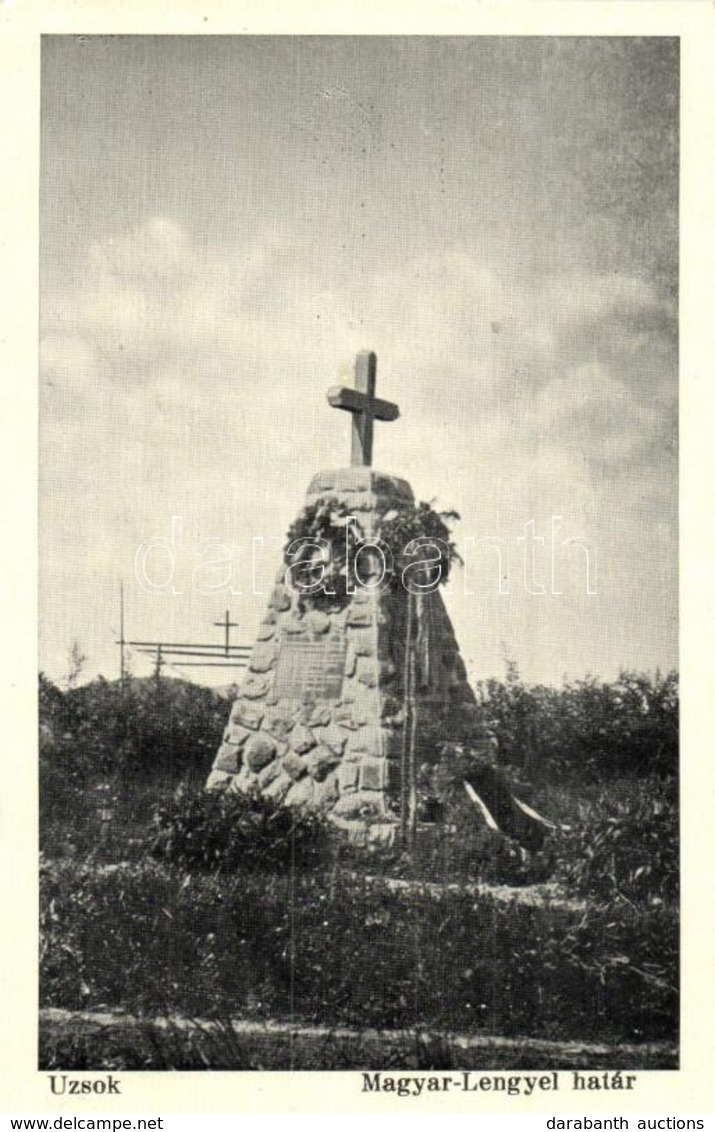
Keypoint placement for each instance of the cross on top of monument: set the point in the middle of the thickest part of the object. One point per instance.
(364, 406)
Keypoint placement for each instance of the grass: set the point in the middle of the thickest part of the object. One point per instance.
(346, 949)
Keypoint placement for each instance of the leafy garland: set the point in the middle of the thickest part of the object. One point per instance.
(400, 529)
(323, 542)
(322, 576)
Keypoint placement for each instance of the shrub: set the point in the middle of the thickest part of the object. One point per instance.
(230, 832)
(626, 848)
(590, 729)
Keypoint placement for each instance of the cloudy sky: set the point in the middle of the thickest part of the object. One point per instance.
(227, 220)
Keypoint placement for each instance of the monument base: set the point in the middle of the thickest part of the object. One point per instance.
(342, 705)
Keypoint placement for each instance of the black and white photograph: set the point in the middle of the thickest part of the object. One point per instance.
(358, 558)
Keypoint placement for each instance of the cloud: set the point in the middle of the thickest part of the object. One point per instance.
(186, 379)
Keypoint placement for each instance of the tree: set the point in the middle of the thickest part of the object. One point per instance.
(77, 661)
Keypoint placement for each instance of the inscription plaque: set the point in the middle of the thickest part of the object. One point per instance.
(311, 669)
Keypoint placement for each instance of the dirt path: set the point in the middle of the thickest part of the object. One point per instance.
(531, 895)
(182, 1043)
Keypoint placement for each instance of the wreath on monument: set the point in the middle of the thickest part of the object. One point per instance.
(323, 544)
(320, 552)
(422, 530)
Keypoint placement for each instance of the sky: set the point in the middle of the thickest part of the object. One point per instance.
(226, 221)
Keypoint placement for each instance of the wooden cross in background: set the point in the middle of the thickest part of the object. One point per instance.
(227, 625)
(364, 406)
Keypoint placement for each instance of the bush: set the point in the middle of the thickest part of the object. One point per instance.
(103, 747)
(234, 832)
(589, 729)
(148, 727)
(626, 848)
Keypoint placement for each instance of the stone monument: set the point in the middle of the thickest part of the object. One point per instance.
(342, 706)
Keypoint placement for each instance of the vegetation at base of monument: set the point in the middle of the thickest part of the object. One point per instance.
(108, 760)
(331, 524)
(211, 832)
(235, 833)
(353, 950)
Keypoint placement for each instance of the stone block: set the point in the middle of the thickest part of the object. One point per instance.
(269, 773)
(316, 715)
(319, 762)
(301, 739)
(235, 734)
(294, 626)
(325, 791)
(278, 787)
(363, 642)
(358, 806)
(392, 486)
(255, 687)
(267, 628)
(373, 774)
(350, 661)
(343, 716)
(367, 671)
(218, 780)
(259, 751)
(245, 782)
(280, 599)
(321, 482)
(317, 622)
(294, 765)
(359, 615)
(366, 741)
(263, 658)
(228, 759)
(278, 723)
(365, 706)
(354, 478)
(348, 694)
(348, 774)
(333, 737)
(247, 714)
(301, 793)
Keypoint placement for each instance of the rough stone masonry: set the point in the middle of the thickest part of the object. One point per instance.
(321, 718)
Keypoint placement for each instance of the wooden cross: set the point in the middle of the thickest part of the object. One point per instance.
(226, 624)
(364, 406)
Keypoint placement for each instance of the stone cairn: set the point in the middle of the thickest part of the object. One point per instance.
(337, 712)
